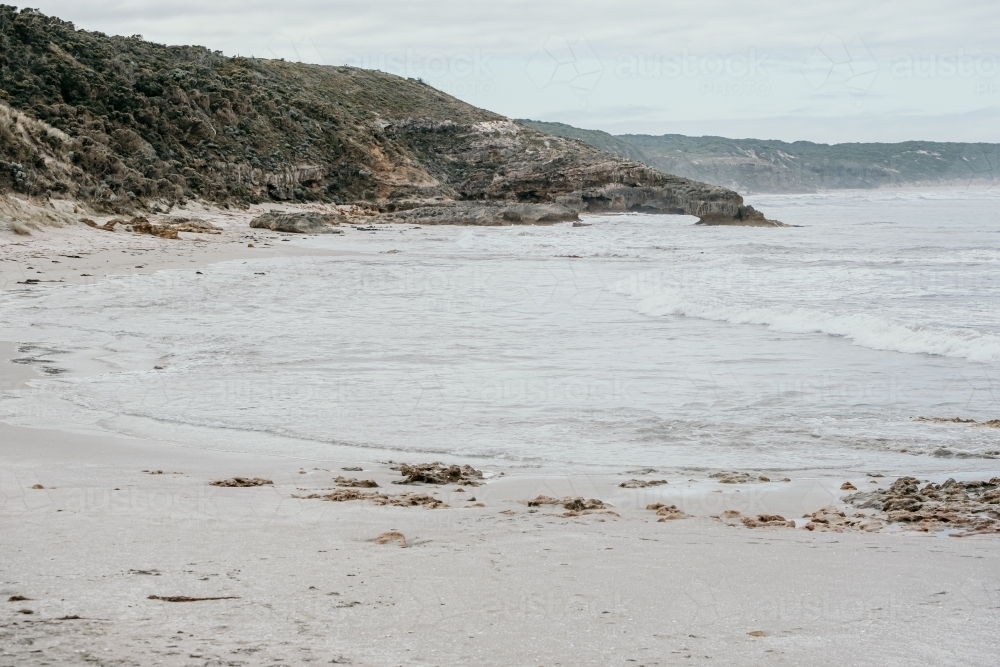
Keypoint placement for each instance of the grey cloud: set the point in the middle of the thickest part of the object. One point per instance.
(506, 26)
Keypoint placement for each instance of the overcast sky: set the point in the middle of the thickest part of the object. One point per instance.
(873, 70)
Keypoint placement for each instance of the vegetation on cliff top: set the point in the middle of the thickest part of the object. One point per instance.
(127, 124)
(137, 120)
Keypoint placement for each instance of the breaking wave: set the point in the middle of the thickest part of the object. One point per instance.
(864, 329)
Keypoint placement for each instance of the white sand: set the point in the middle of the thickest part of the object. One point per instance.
(473, 586)
(81, 254)
(497, 585)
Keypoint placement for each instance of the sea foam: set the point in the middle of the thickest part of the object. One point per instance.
(864, 329)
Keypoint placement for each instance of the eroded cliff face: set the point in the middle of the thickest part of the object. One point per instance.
(128, 125)
(499, 160)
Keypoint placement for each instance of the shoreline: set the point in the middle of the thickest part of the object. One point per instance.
(121, 254)
(16, 377)
(300, 580)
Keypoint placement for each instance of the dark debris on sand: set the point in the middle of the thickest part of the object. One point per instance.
(970, 508)
(575, 506)
(834, 520)
(438, 473)
(356, 483)
(642, 483)
(398, 500)
(734, 518)
(767, 520)
(666, 512)
(992, 423)
(738, 477)
(184, 598)
(242, 482)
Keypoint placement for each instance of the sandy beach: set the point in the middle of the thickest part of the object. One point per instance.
(76, 254)
(502, 584)
(500, 334)
(104, 536)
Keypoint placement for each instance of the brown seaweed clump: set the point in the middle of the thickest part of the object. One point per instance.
(766, 521)
(390, 537)
(356, 483)
(642, 483)
(666, 512)
(571, 503)
(970, 508)
(242, 482)
(734, 518)
(574, 505)
(831, 519)
(438, 473)
(398, 500)
(738, 477)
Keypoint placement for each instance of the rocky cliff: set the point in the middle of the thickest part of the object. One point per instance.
(754, 165)
(130, 125)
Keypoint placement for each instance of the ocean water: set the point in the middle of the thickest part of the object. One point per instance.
(638, 340)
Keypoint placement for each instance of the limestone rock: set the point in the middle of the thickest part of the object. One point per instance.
(734, 477)
(398, 500)
(967, 508)
(438, 473)
(389, 537)
(667, 512)
(767, 520)
(299, 223)
(481, 213)
(642, 483)
(356, 483)
(242, 482)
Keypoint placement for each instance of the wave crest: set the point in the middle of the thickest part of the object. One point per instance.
(865, 329)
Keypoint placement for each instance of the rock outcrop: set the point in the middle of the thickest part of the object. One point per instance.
(501, 161)
(482, 213)
(967, 507)
(129, 125)
(438, 473)
(754, 165)
(298, 223)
